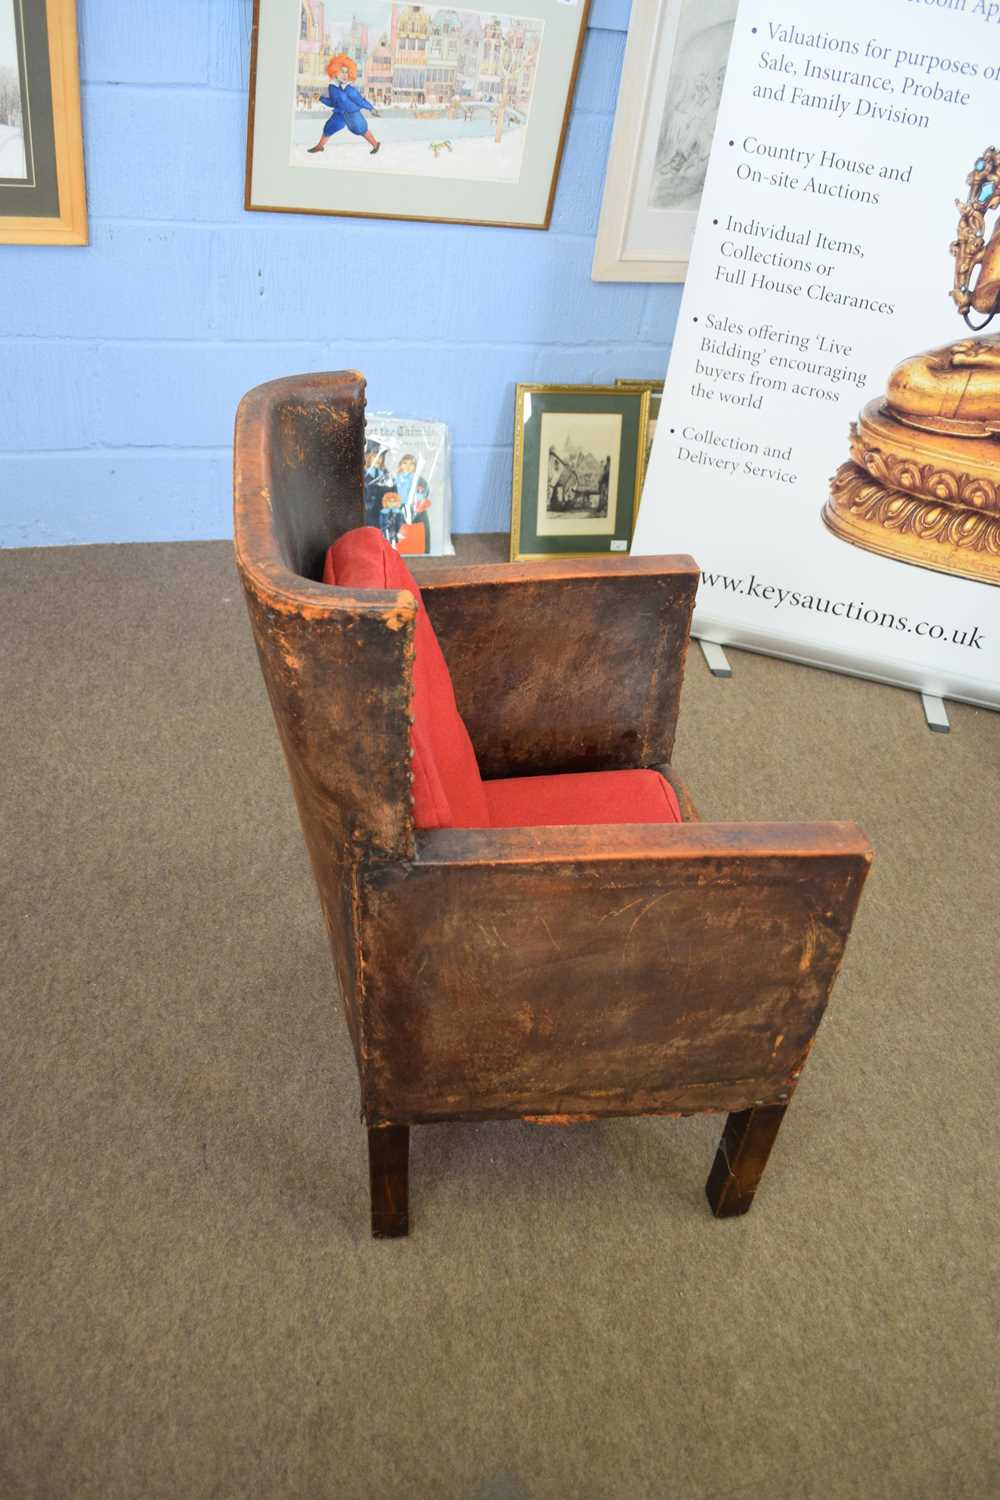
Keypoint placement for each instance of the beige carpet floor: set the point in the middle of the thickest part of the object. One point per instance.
(192, 1306)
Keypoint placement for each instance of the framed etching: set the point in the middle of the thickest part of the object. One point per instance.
(675, 64)
(578, 461)
(42, 195)
(384, 110)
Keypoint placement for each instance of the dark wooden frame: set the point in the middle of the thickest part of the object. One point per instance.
(551, 973)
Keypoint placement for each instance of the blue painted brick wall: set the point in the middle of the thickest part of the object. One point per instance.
(125, 359)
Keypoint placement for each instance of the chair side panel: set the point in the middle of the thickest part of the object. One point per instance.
(639, 986)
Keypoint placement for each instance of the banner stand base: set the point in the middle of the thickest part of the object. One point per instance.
(935, 713)
(715, 658)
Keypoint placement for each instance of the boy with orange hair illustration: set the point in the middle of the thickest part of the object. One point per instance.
(346, 103)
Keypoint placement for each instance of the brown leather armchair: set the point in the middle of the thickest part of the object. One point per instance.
(555, 973)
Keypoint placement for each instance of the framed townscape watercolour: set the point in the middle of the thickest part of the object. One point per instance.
(675, 64)
(578, 461)
(408, 483)
(42, 195)
(386, 110)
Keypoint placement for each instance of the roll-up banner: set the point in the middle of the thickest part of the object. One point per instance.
(828, 446)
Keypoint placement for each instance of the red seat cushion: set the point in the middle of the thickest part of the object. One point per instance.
(447, 789)
(583, 797)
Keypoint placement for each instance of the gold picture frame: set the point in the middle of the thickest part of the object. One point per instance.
(592, 520)
(655, 389)
(47, 204)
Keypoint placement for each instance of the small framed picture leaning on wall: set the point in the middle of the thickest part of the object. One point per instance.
(578, 461)
(655, 389)
(385, 110)
(42, 194)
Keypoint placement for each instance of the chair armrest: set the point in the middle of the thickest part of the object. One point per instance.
(574, 664)
(625, 844)
(612, 970)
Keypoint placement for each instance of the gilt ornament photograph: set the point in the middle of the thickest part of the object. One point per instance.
(922, 483)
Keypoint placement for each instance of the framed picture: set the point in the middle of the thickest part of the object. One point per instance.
(675, 63)
(391, 111)
(408, 483)
(577, 468)
(42, 195)
(655, 389)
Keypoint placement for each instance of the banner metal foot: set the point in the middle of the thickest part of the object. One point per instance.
(935, 713)
(715, 658)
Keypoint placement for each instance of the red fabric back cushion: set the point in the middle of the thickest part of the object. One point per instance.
(447, 788)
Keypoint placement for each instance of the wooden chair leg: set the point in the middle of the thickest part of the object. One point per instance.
(741, 1158)
(389, 1171)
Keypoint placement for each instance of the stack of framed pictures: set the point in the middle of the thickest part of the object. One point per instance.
(580, 455)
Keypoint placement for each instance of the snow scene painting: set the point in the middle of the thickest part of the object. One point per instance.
(578, 474)
(12, 159)
(418, 90)
(697, 73)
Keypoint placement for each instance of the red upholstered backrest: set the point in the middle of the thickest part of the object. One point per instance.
(447, 788)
